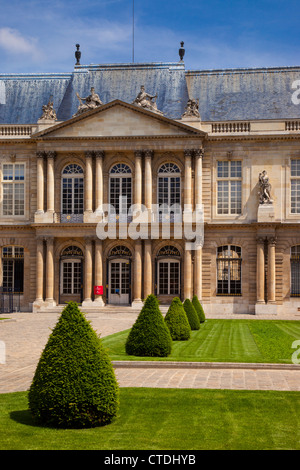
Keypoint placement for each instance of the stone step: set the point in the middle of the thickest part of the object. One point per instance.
(114, 309)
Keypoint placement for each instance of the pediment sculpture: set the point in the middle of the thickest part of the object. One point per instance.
(49, 113)
(90, 102)
(192, 109)
(265, 189)
(146, 101)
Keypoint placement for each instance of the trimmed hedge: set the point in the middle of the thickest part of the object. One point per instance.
(177, 321)
(199, 309)
(149, 335)
(74, 385)
(191, 315)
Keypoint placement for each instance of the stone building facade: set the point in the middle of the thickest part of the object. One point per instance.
(227, 141)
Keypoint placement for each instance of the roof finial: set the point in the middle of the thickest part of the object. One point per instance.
(181, 50)
(77, 54)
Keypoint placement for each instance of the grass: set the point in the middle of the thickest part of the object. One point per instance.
(161, 419)
(268, 341)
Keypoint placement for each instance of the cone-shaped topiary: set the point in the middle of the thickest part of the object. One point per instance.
(177, 321)
(149, 335)
(199, 309)
(74, 385)
(191, 315)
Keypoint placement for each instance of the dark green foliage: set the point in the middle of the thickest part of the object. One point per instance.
(74, 385)
(199, 309)
(149, 335)
(177, 321)
(191, 314)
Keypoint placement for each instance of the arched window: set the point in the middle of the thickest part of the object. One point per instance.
(120, 250)
(229, 269)
(72, 193)
(169, 191)
(120, 185)
(13, 269)
(168, 271)
(295, 271)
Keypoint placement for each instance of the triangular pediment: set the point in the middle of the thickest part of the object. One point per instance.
(118, 119)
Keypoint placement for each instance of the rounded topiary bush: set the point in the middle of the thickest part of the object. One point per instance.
(74, 385)
(191, 315)
(149, 335)
(177, 322)
(199, 309)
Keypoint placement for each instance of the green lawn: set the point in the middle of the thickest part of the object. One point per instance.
(267, 341)
(161, 419)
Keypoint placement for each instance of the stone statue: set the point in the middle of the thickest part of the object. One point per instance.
(146, 101)
(192, 109)
(265, 189)
(48, 112)
(91, 102)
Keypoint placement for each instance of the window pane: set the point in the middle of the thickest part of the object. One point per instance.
(223, 197)
(295, 196)
(295, 168)
(236, 169)
(8, 172)
(223, 169)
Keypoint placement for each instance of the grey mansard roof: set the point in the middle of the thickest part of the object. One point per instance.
(237, 94)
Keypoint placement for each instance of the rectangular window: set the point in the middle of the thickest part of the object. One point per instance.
(295, 271)
(295, 186)
(229, 270)
(13, 269)
(229, 187)
(13, 187)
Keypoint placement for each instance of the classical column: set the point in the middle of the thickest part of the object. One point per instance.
(198, 205)
(40, 181)
(188, 268)
(99, 270)
(89, 181)
(271, 270)
(137, 284)
(50, 271)
(138, 178)
(39, 269)
(88, 271)
(99, 154)
(50, 181)
(260, 271)
(147, 268)
(148, 178)
(188, 177)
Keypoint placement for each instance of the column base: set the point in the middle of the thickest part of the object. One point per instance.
(49, 303)
(266, 309)
(37, 305)
(87, 303)
(137, 303)
(98, 302)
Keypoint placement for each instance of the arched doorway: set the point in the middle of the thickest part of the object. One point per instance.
(119, 275)
(71, 275)
(168, 263)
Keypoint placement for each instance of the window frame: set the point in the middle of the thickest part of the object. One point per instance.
(13, 259)
(295, 257)
(296, 179)
(230, 180)
(121, 175)
(13, 183)
(229, 260)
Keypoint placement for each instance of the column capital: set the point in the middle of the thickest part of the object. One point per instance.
(188, 152)
(51, 154)
(260, 240)
(149, 153)
(40, 154)
(138, 153)
(272, 241)
(89, 154)
(49, 240)
(199, 152)
(99, 153)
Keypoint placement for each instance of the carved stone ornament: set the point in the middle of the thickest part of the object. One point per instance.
(265, 189)
(192, 109)
(90, 102)
(49, 113)
(146, 101)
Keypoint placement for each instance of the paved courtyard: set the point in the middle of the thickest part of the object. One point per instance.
(25, 335)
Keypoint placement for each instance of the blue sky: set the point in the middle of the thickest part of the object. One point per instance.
(40, 35)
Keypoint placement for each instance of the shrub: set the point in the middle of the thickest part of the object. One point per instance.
(149, 335)
(74, 385)
(199, 309)
(177, 321)
(191, 314)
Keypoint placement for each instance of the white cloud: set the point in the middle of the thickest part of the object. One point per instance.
(12, 41)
